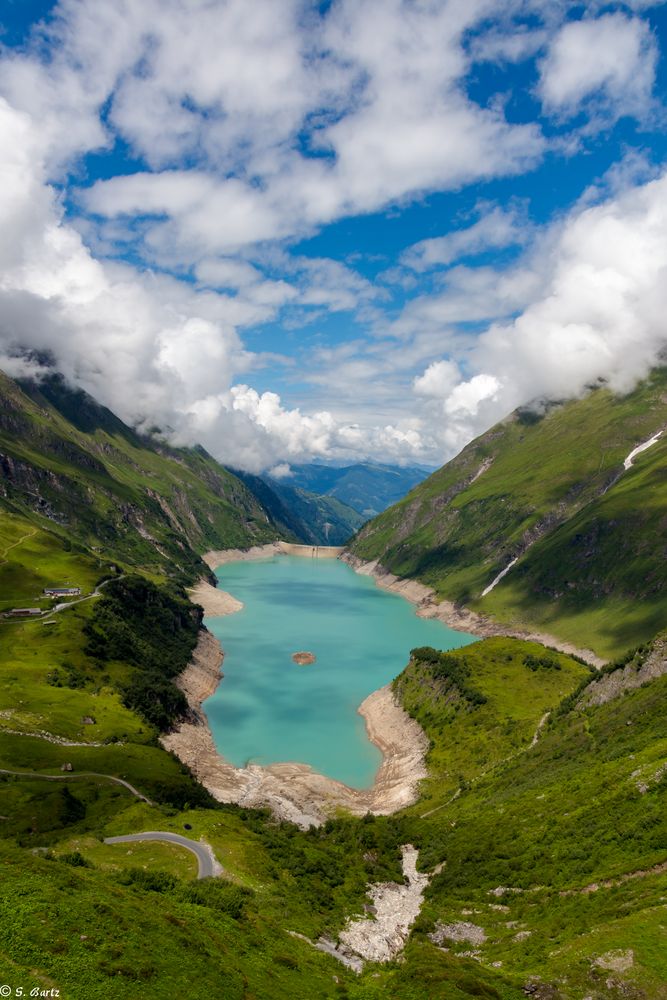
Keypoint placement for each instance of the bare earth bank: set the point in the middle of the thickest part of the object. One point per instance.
(293, 791)
(456, 617)
(213, 601)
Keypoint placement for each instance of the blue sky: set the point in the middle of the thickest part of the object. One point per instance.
(295, 231)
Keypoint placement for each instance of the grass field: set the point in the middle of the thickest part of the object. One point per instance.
(32, 559)
(468, 742)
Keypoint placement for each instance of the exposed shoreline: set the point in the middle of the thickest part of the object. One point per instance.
(458, 618)
(293, 791)
(214, 602)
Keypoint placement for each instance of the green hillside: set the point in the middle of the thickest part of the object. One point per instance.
(557, 852)
(70, 468)
(549, 839)
(550, 491)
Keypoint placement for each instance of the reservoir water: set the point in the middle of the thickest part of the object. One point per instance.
(267, 708)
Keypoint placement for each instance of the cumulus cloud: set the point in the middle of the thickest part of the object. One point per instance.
(609, 60)
(598, 315)
(438, 380)
(281, 471)
(248, 95)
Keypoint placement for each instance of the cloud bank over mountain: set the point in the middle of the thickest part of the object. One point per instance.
(168, 169)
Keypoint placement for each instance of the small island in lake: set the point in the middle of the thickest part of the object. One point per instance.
(303, 659)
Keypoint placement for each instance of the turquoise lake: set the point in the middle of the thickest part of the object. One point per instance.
(268, 709)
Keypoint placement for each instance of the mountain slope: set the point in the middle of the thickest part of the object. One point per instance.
(69, 466)
(551, 492)
(312, 518)
(324, 519)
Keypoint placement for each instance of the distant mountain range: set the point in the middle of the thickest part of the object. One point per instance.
(301, 515)
(366, 487)
(326, 504)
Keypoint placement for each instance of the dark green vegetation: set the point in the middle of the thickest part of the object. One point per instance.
(153, 631)
(550, 490)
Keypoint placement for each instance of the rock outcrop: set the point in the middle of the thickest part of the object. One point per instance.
(627, 678)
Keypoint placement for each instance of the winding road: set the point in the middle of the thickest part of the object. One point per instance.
(202, 852)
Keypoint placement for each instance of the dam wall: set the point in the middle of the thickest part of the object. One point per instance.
(311, 551)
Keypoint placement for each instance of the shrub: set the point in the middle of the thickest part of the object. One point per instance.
(150, 881)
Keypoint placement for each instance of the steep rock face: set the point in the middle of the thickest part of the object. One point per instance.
(72, 464)
(552, 492)
(640, 670)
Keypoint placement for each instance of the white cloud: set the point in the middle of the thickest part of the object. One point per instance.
(281, 471)
(225, 272)
(598, 314)
(495, 229)
(438, 380)
(464, 400)
(329, 283)
(610, 60)
(245, 94)
(471, 295)
(156, 350)
(503, 46)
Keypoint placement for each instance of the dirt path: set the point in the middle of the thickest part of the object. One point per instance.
(70, 604)
(75, 777)
(612, 883)
(482, 774)
(50, 738)
(48, 615)
(21, 540)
